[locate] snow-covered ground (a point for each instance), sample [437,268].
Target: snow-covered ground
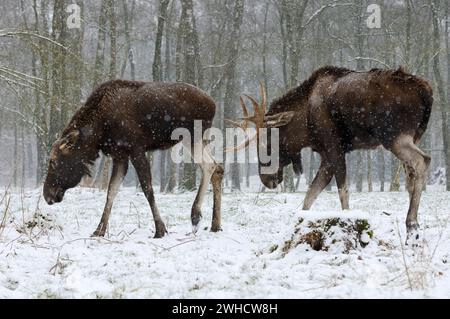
[57,258]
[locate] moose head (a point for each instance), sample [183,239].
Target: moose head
[66,167]
[283,121]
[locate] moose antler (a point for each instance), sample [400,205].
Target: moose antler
[244,124]
[257,118]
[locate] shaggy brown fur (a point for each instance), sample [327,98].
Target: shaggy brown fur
[124,120]
[338,110]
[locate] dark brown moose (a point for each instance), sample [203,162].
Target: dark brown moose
[124,120]
[338,110]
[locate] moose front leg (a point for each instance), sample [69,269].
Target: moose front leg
[119,171]
[142,166]
[322,179]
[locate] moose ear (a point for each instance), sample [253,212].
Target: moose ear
[279,119]
[69,140]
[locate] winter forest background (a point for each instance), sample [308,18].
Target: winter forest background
[222,46]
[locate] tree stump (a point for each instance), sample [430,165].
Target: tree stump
[335,232]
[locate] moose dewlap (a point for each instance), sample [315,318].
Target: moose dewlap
[337,232]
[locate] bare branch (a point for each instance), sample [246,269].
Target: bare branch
[323,8]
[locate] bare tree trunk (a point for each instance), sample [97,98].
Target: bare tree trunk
[293,13]
[369,171]
[440,86]
[282,13]
[264,50]
[74,65]
[187,26]
[157,73]
[382,172]
[162,170]
[132,65]
[113,39]
[157,63]
[172,169]
[311,167]
[198,61]
[247,175]
[395,181]
[40,57]
[128,15]
[445,124]
[266,85]
[359,66]
[15,156]
[111,15]
[99,69]
[230,73]
[128,24]
[59,34]
[172,182]
[359,171]
[22,158]
[408,34]
[101,41]
[179,77]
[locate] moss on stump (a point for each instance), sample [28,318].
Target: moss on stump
[336,234]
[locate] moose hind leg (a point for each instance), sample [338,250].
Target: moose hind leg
[118,173]
[142,166]
[409,181]
[196,212]
[211,171]
[341,182]
[416,163]
[216,181]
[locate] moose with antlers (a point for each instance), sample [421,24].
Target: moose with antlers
[124,120]
[338,110]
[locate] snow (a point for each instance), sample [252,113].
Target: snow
[58,259]
[330,213]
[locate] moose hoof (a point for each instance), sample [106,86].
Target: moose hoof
[161,231]
[98,233]
[195,228]
[216,229]
[412,236]
[196,217]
